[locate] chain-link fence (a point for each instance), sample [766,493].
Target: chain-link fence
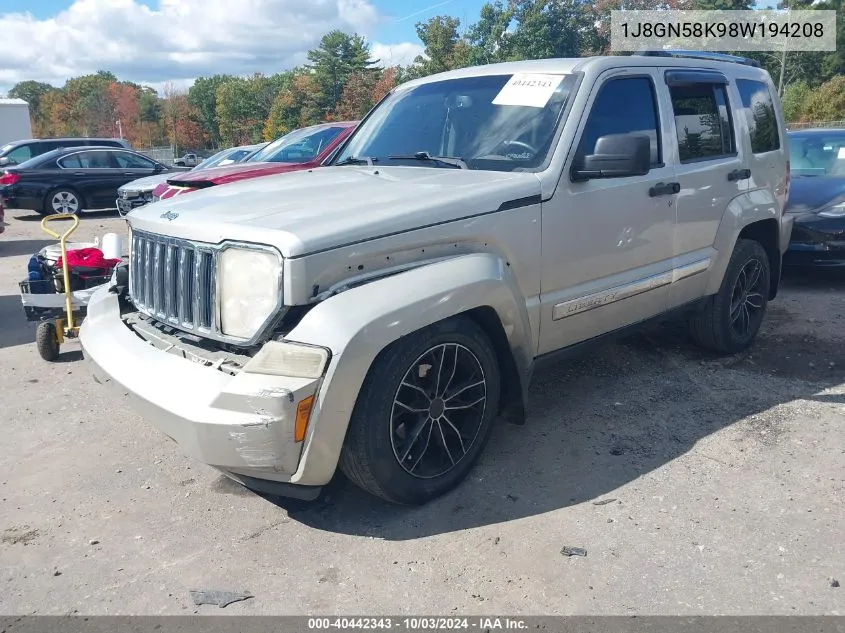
[815,124]
[161,154]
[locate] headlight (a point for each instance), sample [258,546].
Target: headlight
[836,211]
[249,288]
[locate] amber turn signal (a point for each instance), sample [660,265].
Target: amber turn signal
[303,414]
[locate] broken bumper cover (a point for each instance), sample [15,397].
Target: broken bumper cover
[241,424]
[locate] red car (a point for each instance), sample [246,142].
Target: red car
[305,148]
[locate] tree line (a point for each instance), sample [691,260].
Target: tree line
[341,80]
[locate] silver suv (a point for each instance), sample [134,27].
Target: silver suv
[379,313]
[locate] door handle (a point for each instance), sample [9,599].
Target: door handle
[79,173]
[739,174]
[664,189]
[128,173]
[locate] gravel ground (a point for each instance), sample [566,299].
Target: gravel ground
[697,486]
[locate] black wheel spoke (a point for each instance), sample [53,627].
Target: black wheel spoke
[415,435]
[755,300]
[424,449]
[445,443]
[456,432]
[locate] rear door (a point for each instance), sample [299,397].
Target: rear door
[93,175]
[710,164]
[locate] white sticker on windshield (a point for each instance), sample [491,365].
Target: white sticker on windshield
[841,153]
[528,89]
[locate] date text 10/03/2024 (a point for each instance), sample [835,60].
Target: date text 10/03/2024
[419,624]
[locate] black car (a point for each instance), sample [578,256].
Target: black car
[17,152]
[73,179]
[817,198]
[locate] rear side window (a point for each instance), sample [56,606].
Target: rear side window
[623,106]
[760,113]
[87,160]
[702,122]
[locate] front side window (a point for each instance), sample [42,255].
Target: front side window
[702,122]
[87,160]
[760,113]
[494,123]
[623,106]
[298,146]
[125,160]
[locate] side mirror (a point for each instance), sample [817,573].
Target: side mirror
[615,156]
[158,168]
[5,161]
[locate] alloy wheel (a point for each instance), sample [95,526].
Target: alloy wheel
[64,202]
[438,410]
[747,299]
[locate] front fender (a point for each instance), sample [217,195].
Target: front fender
[742,211]
[358,324]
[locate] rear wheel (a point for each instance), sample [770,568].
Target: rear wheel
[62,200]
[732,317]
[47,341]
[424,414]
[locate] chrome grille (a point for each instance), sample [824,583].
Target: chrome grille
[173,281]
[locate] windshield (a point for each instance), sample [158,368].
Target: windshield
[227,156]
[817,153]
[298,146]
[495,123]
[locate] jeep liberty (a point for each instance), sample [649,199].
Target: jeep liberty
[378,314]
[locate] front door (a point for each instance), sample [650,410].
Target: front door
[607,242]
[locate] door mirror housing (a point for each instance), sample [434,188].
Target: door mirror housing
[158,168]
[615,156]
[5,161]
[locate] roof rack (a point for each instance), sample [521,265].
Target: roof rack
[716,57]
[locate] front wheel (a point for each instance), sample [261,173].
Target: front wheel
[424,413]
[732,317]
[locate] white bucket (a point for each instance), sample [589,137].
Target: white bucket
[112,247]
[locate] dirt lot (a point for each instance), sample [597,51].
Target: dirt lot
[697,486]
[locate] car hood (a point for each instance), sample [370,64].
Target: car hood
[811,194]
[313,210]
[232,173]
[148,183]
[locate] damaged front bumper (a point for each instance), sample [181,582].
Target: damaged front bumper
[241,423]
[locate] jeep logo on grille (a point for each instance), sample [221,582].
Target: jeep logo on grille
[169,215]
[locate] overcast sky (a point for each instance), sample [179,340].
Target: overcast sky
[153,41]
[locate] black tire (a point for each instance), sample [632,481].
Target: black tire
[371,456]
[67,193]
[47,341]
[719,327]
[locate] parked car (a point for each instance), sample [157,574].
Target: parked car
[817,198]
[305,148]
[140,192]
[378,313]
[2,217]
[188,160]
[73,179]
[18,152]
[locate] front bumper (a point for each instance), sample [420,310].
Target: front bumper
[241,424]
[127,204]
[816,241]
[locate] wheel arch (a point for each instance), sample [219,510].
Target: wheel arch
[83,202]
[754,216]
[361,323]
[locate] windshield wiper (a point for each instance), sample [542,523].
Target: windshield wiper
[446,160]
[354,160]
